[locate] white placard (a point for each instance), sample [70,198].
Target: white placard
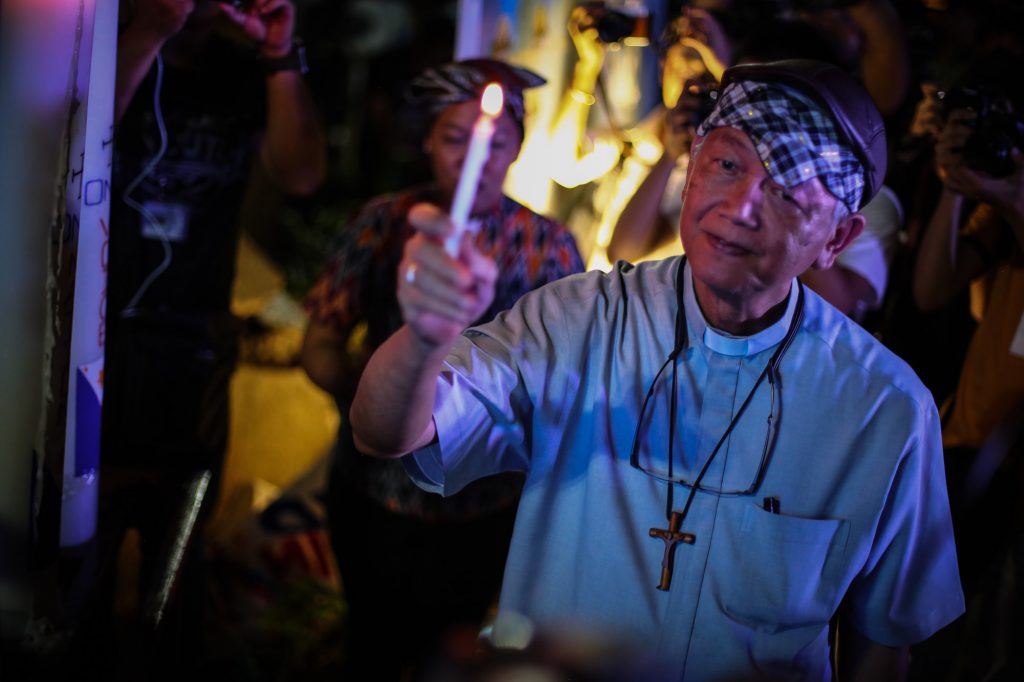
[88,213]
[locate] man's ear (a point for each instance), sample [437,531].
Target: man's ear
[695,147]
[843,234]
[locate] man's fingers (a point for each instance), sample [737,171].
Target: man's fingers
[438,285]
[430,220]
[435,314]
[418,302]
[437,292]
[482,270]
[430,279]
[431,258]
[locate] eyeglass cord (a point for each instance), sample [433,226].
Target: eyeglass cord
[771,371]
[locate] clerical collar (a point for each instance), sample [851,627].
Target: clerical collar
[724,343]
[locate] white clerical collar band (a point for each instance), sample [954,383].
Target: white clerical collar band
[795,138]
[725,344]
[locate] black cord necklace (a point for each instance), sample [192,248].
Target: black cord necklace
[672,535]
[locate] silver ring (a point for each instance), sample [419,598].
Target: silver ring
[410,273]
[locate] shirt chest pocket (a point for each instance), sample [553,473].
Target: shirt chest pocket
[781,572]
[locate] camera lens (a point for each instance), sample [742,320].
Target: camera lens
[614,26]
[989,149]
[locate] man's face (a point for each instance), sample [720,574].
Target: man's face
[745,235]
[448,143]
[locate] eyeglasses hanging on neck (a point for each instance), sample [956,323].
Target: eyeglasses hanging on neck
[769,375]
[674,533]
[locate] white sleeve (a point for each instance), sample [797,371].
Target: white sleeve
[484,402]
[871,253]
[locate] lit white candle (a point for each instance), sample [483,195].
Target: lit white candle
[491,103]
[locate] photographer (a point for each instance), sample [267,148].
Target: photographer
[692,51]
[615,162]
[982,433]
[990,243]
[206,94]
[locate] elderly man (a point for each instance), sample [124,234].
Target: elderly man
[716,459]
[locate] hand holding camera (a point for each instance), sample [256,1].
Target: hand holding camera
[949,146]
[927,121]
[964,163]
[694,105]
[618,20]
[703,27]
[583,31]
[600,23]
[994,130]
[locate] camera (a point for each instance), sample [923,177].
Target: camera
[620,22]
[705,94]
[997,129]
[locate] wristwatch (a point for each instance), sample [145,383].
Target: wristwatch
[295,60]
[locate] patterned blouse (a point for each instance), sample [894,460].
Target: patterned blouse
[356,294]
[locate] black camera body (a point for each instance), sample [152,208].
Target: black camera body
[997,129]
[706,93]
[615,25]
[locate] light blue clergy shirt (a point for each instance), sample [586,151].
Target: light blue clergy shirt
[553,387]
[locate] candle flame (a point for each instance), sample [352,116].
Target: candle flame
[492,99]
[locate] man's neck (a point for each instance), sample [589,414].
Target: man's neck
[740,316]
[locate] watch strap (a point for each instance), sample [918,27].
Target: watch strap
[295,60]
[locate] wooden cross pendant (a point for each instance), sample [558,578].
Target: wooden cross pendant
[670,536]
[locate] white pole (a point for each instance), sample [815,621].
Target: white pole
[87,203]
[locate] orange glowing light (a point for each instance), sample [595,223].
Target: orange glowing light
[492,100]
